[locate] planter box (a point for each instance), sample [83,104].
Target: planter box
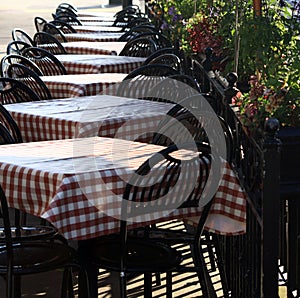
[290,154]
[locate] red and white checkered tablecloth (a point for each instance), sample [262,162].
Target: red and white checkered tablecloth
[96,28]
[64,86]
[94,48]
[76,64]
[102,115]
[92,36]
[77,185]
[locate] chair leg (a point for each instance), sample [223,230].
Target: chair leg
[123,285]
[169,284]
[148,285]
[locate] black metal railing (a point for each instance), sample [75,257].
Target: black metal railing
[251,260]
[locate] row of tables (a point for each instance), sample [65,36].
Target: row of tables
[79,147]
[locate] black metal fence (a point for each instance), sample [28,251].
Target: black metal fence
[252,260]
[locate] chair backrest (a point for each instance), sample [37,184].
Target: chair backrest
[68,19]
[5,136]
[168,59]
[39,23]
[159,52]
[10,124]
[49,42]
[46,61]
[172,178]
[175,88]
[141,47]
[135,31]
[140,82]
[63,26]
[160,40]
[17,47]
[194,119]
[14,91]
[19,34]
[30,78]
[7,60]
[55,31]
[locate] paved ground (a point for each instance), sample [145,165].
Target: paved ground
[20,14]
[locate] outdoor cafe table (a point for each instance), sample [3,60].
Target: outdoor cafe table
[63,86]
[76,64]
[92,36]
[96,28]
[77,185]
[94,47]
[101,115]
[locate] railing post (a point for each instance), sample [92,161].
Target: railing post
[270,211]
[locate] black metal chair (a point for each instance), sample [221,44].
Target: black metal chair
[140,82]
[19,257]
[49,42]
[14,91]
[30,78]
[5,136]
[7,60]
[55,31]
[152,190]
[63,26]
[135,31]
[202,123]
[159,52]
[71,20]
[10,124]
[175,88]
[17,47]
[160,40]
[168,59]
[141,47]
[19,34]
[45,60]
[39,23]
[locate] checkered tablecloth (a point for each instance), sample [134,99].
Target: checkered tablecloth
[76,64]
[102,115]
[92,36]
[94,48]
[96,28]
[78,184]
[64,86]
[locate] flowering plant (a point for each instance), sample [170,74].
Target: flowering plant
[262,103]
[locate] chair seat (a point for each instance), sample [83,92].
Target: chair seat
[143,255]
[34,257]
[29,232]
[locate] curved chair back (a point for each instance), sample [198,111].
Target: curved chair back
[160,40]
[168,59]
[10,124]
[140,47]
[7,60]
[49,42]
[140,82]
[63,26]
[39,23]
[46,61]
[14,91]
[17,47]
[19,34]
[55,31]
[30,78]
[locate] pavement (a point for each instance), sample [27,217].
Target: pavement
[21,14]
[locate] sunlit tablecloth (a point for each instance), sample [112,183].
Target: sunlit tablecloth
[94,48]
[64,86]
[76,64]
[102,115]
[92,36]
[77,184]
